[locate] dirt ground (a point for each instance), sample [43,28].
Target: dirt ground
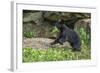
[41,43]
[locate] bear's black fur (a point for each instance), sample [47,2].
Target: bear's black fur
[67,34]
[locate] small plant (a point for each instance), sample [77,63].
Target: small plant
[28,34]
[54,31]
[85,38]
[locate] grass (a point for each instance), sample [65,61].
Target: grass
[55,54]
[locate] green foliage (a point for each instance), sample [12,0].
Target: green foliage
[85,38]
[54,31]
[29,34]
[54,54]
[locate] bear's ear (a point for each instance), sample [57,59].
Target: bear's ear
[61,21]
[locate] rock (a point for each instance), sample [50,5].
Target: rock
[35,17]
[35,21]
[41,43]
[84,23]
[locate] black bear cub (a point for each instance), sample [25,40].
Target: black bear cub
[67,34]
